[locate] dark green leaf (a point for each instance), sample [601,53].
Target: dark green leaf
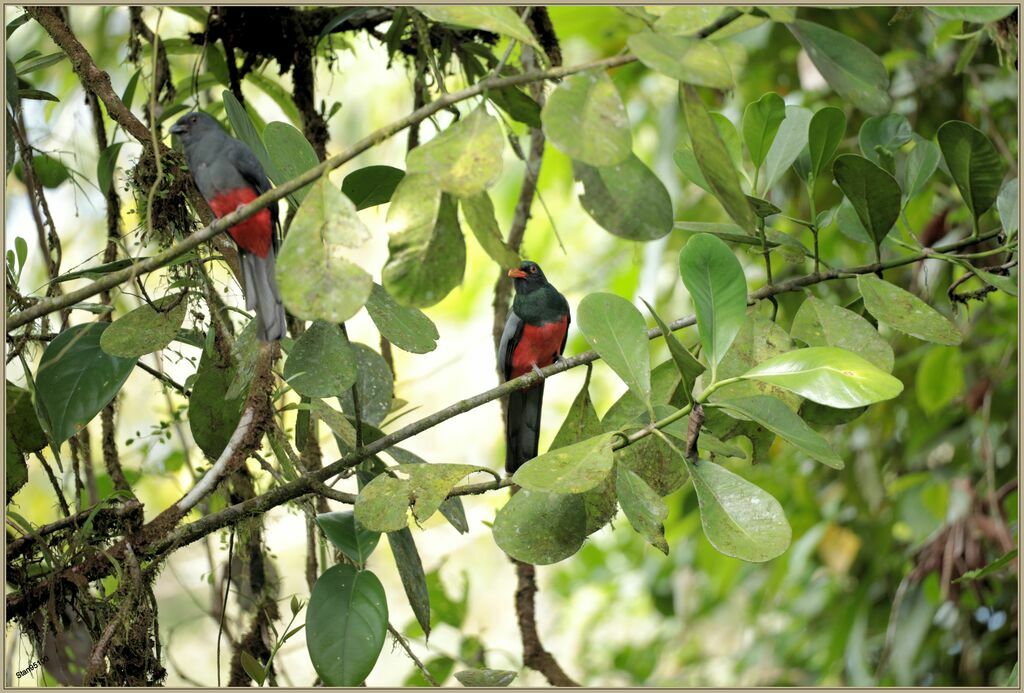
[146,329]
[541,528]
[824,134]
[761,121]
[425,488]
[517,105]
[321,362]
[973,163]
[346,624]
[873,192]
[407,328]
[290,154]
[758,340]
[22,422]
[49,171]
[375,383]
[940,379]
[13,25]
[372,185]
[616,330]
[252,667]
[626,199]
[689,367]
[586,120]
[886,133]
[351,538]
[643,507]
[40,62]
[76,379]
[15,469]
[105,166]
[921,164]
[848,66]
[479,213]
[410,570]
[213,417]
[37,95]
[905,312]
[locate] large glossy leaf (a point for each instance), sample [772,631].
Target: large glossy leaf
[346,624]
[407,328]
[626,199]
[321,363]
[1007,204]
[410,571]
[316,281]
[350,537]
[616,330]
[819,323]
[848,66]
[761,121]
[689,367]
[465,159]
[76,379]
[881,136]
[905,312]
[828,375]
[571,469]
[940,379]
[790,140]
[479,213]
[423,486]
[778,418]
[973,163]
[739,519]
[372,185]
[713,158]
[586,120]
[718,287]
[644,508]
[428,252]
[375,383]
[291,154]
[824,133]
[921,164]
[500,20]
[541,528]
[22,422]
[689,60]
[146,329]
[873,192]
[758,340]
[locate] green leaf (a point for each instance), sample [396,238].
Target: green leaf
[479,213]
[973,13]
[246,131]
[616,330]
[759,339]
[425,489]
[824,134]
[244,354]
[571,469]
[644,508]
[873,192]
[15,469]
[321,362]
[39,62]
[466,158]
[972,575]
[716,283]
[350,537]
[778,418]
[519,106]
[212,416]
[317,282]
[940,379]
[921,164]
[683,20]
[1008,207]
[498,19]
[76,379]
[49,171]
[626,199]
[278,93]
[407,328]
[427,250]
[541,528]
[410,571]
[146,329]
[739,519]
[346,623]
[375,383]
[1006,284]
[586,120]
[792,138]
[905,312]
[690,60]
[828,375]
[440,668]
[252,667]
[881,136]
[372,185]
[713,158]
[686,160]
[848,66]
[973,163]
[818,323]
[485,678]
[689,367]
[290,154]
[22,421]
[761,121]
[105,167]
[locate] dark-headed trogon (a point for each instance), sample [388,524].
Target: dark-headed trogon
[229,175]
[534,337]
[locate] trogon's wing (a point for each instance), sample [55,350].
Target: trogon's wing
[565,337]
[252,171]
[509,340]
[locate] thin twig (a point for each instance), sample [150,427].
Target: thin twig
[408,650]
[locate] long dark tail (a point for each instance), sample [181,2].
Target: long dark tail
[522,426]
[262,296]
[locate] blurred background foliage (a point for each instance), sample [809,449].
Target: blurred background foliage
[865,595]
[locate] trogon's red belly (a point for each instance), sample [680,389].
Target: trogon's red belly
[538,345]
[255,233]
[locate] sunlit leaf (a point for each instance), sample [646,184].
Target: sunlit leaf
[819,323]
[479,213]
[464,159]
[500,20]
[940,379]
[571,469]
[626,199]
[586,120]
[146,329]
[644,508]
[689,60]
[541,528]
[616,330]
[905,312]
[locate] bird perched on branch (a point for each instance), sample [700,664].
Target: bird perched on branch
[534,337]
[229,176]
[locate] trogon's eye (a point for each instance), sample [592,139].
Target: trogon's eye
[533,270]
